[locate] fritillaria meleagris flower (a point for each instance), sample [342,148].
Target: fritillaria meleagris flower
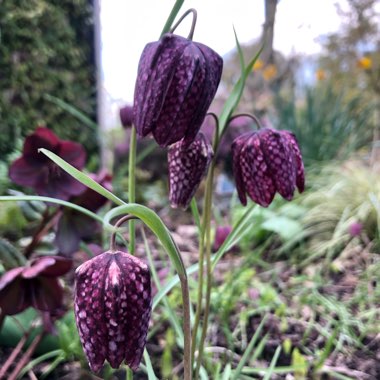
[221,234]
[35,170]
[187,166]
[35,284]
[176,83]
[266,161]
[112,308]
[126,116]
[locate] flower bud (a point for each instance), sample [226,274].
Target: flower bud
[112,308]
[267,161]
[187,166]
[176,83]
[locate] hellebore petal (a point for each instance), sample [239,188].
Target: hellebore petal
[35,170]
[112,309]
[187,166]
[267,161]
[34,285]
[177,80]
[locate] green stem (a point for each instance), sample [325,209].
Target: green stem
[173,14]
[207,238]
[129,374]
[132,186]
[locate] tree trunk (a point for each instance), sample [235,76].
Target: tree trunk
[267,55]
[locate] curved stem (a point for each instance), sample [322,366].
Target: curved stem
[191,34]
[132,186]
[118,224]
[250,115]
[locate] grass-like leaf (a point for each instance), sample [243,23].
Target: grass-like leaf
[248,350]
[81,177]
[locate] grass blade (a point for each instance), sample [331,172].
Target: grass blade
[248,350]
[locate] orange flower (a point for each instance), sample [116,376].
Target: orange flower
[269,72]
[320,74]
[364,63]
[258,65]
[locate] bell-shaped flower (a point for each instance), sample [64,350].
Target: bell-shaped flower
[35,170]
[176,83]
[265,162]
[35,284]
[187,166]
[112,308]
[126,116]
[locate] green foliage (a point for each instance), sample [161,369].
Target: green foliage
[327,125]
[341,195]
[46,48]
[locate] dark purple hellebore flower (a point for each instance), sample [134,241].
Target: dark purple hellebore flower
[73,226]
[34,285]
[187,166]
[113,303]
[126,116]
[267,161]
[176,83]
[35,170]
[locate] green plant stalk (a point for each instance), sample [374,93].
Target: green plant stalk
[132,186]
[207,238]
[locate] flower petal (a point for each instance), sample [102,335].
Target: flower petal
[256,174]
[73,153]
[187,167]
[280,159]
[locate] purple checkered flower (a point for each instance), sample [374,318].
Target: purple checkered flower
[176,83]
[265,162]
[113,303]
[187,167]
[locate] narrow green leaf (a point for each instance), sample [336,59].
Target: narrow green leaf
[72,110]
[235,235]
[81,177]
[248,350]
[168,309]
[173,14]
[195,212]
[149,367]
[227,372]
[81,209]
[153,221]
[269,374]
[237,90]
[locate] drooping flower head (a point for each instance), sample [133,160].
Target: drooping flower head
[126,116]
[37,171]
[112,308]
[176,83]
[265,162]
[35,284]
[187,166]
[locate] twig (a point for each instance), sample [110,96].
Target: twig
[13,355]
[28,353]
